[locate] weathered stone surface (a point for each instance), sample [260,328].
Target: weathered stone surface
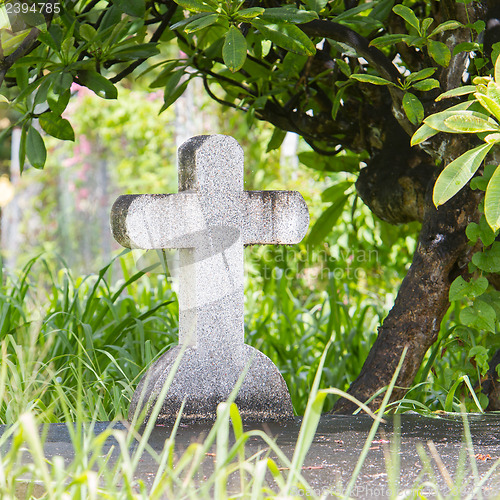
[209,221]
[208,378]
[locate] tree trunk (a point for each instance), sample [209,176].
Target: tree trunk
[414,321]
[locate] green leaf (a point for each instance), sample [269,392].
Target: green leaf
[478,26]
[276,139]
[250,13]
[461,289]
[413,108]
[493,91]
[203,21]
[56,126]
[425,25]
[492,201]
[481,182]
[488,260]
[363,23]
[35,148]
[375,80]
[88,32]
[352,14]
[134,8]
[471,122]
[492,138]
[492,297]
[332,193]
[59,105]
[171,98]
[337,101]
[41,93]
[138,51]
[288,15]
[47,39]
[316,5]
[439,52]
[420,75]
[497,70]
[165,74]
[195,5]
[62,82]
[326,221]
[340,163]
[97,83]
[437,121]
[481,230]
[187,20]
[408,15]
[425,85]
[489,104]
[10,42]
[344,67]
[466,47]
[456,175]
[446,26]
[481,357]
[495,52]
[22,149]
[481,315]
[388,40]
[459,91]
[173,81]
[422,134]
[287,36]
[382,9]
[234,51]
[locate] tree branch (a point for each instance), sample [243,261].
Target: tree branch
[342,34]
[27,45]
[217,99]
[385,67]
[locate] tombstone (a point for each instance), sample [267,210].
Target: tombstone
[209,221]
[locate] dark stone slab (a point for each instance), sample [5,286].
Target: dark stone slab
[335,451]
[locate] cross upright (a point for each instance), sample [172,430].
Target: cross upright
[209,221]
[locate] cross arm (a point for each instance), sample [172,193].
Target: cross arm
[274,217]
[151,221]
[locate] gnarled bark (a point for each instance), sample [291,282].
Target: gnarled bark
[441,255]
[394,183]
[422,301]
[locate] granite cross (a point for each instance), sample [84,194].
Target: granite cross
[209,221]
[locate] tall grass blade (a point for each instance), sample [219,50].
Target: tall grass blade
[374,427]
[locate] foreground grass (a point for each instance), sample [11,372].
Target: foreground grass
[98,471]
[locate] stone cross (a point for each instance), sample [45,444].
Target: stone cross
[209,221]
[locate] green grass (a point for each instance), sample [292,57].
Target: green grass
[97,472]
[83,336]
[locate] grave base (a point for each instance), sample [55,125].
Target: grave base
[263,395]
